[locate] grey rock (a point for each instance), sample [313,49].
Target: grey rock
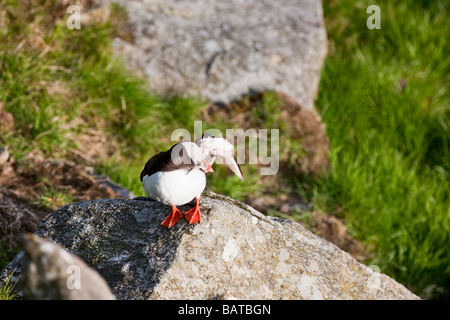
[235,252]
[106,182]
[220,50]
[51,273]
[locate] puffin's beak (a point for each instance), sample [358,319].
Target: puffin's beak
[209,168]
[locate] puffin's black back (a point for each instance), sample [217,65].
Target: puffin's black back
[163,162]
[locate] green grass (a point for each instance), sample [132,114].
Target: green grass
[79,79]
[52,199]
[6,291]
[384,96]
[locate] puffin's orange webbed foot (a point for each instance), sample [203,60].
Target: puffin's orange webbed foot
[172,218]
[193,215]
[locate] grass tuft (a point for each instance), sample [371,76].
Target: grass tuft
[52,199]
[6,291]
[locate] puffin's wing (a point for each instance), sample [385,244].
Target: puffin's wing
[213,147]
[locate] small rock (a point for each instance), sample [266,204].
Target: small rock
[52,273]
[4,155]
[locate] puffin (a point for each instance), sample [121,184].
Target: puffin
[178,175]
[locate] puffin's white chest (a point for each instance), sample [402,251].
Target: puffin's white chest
[174,187]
